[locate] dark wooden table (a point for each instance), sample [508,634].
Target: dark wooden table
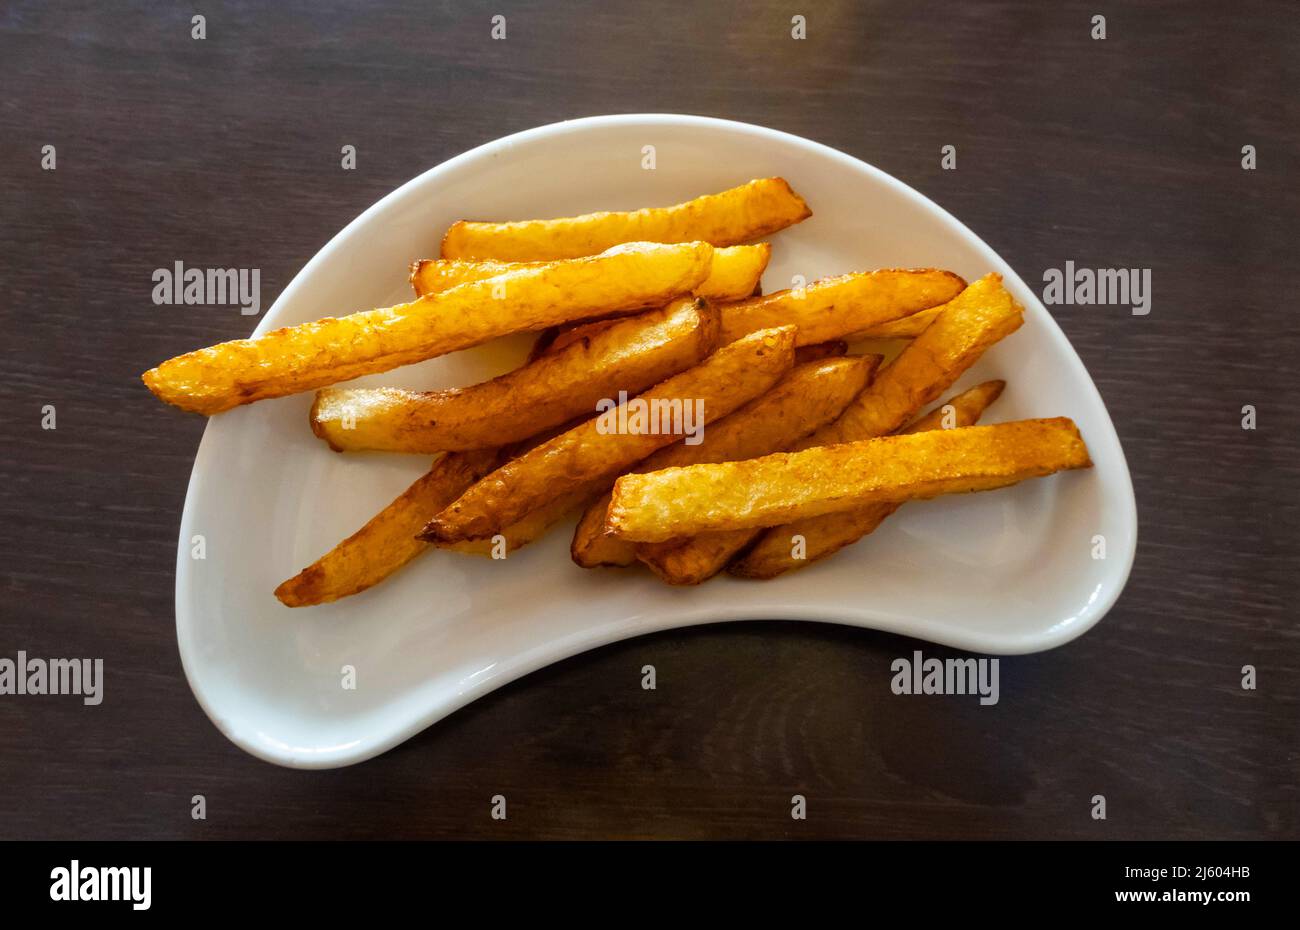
[225,152]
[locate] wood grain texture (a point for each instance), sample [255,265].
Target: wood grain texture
[1123,153]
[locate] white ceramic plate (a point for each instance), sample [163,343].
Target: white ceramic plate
[1009,571]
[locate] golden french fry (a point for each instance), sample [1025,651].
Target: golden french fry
[785,486]
[313,355]
[695,559]
[388,541]
[629,355]
[974,320]
[735,272]
[528,528]
[960,410]
[565,336]
[591,546]
[837,307]
[825,535]
[966,326]
[741,214]
[435,275]
[908,327]
[602,446]
[808,396]
[732,270]
[698,558]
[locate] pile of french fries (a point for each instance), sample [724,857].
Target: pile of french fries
[804,447]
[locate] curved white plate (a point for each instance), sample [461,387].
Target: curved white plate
[1004,572]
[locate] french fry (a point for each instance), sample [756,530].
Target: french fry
[695,559]
[733,269]
[825,535]
[908,327]
[810,395]
[599,448]
[563,336]
[787,486]
[528,528]
[735,272]
[691,561]
[629,355]
[978,317]
[387,541]
[313,355]
[962,330]
[435,275]
[741,214]
[837,307]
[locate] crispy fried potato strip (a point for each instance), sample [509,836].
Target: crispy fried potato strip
[528,528]
[837,307]
[810,395]
[908,327]
[977,318]
[567,335]
[735,272]
[601,448]
[388,541]
[784,486]
[694,560]
[825,535]
[741,214]
[960,333]
[313,355]
[630,355]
